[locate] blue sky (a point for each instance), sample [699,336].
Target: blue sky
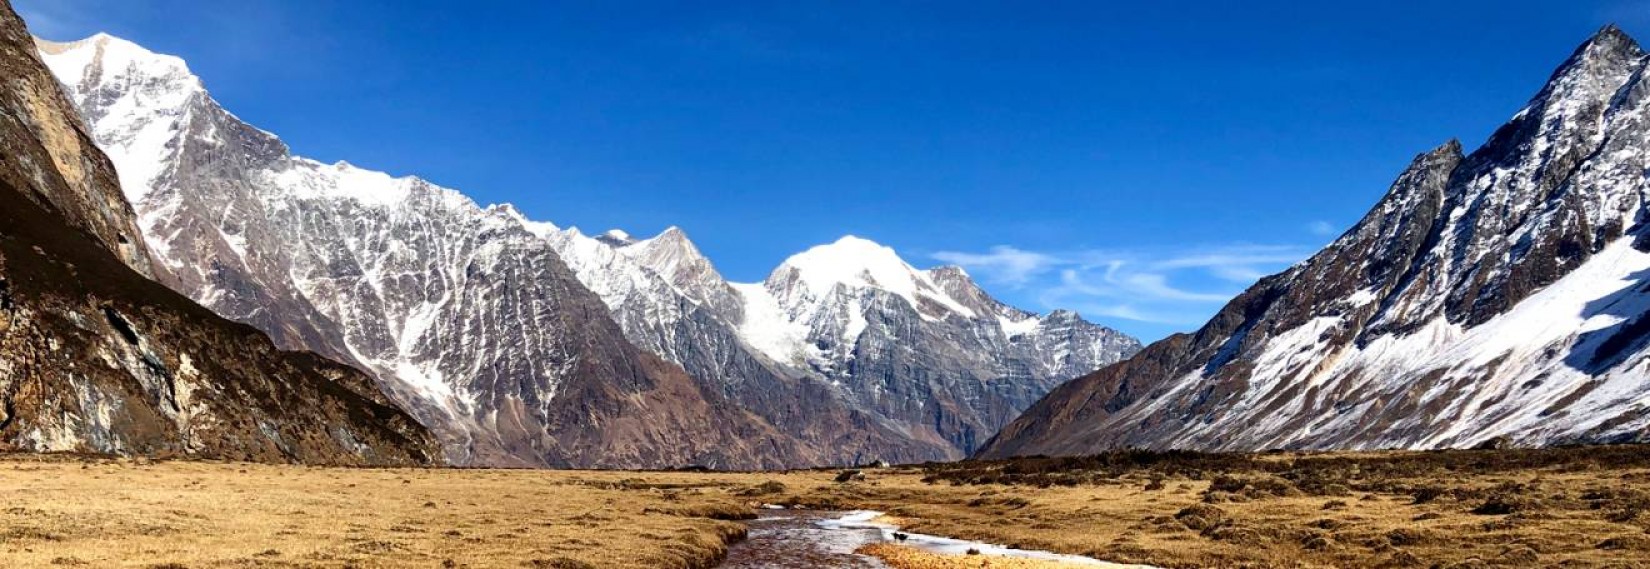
[1140,162]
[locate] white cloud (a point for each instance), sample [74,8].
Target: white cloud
[1169,287]
[1002,264]
[1322,228]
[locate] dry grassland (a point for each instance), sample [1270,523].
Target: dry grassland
[1562,508]
[1582,507]
[120,513]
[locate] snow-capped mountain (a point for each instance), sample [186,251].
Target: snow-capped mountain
[925,362]
[523,343]
[1500,296]
[96,357]
[465,314]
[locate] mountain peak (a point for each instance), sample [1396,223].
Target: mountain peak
[150,88]
[667,249]
[1452,148]
[1610,33]
[859,263]
[672,234]
[853,261]
[1610,40]
[112,55]
[56,47]
[673,256]
[1603,54]
[849,250]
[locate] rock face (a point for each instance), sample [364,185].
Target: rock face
[96,357]
[1500,295]
[845,344]
[517,341]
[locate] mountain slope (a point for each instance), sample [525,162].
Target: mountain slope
[464,314]
[1500,295]
[95,357]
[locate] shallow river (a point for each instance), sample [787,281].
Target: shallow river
[802,539]
[784,539]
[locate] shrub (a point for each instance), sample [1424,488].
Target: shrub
[768,488]
[1202,517]
[1426,495]
[1501,504]
[1408,536]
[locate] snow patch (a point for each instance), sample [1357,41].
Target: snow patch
[766,327]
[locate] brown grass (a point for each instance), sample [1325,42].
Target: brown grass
[69,512]
[1572,507]
[1565,507]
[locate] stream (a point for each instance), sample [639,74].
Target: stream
[806,539]
[800,539]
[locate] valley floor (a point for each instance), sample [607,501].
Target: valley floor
[1582,507]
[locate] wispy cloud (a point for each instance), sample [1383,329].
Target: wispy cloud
[1179,287]
[1321,228]
[1003,264]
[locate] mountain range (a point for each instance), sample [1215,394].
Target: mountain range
[1498,297]
[521,343]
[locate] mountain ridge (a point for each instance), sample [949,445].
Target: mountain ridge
[1471,304]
